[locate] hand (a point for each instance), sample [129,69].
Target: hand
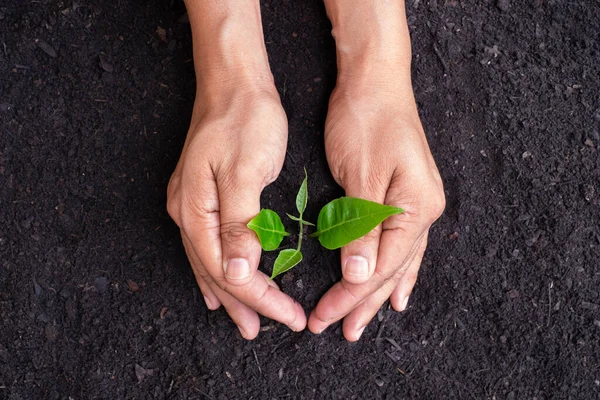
[377,150]
[233,150]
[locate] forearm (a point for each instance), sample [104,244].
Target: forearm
[229,49]
[370,36]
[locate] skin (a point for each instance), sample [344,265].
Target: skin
[376,149]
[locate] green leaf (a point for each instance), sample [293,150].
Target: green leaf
[293,218]
[286,260]
[348,218]
[268,228]
[302,197]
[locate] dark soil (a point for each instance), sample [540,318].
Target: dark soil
[97,299]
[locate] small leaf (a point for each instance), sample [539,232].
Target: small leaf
[302,197]
[293,218]
[286,260]
[268,228]
[346,219]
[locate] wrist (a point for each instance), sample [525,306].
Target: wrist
[230,56]
[372,38]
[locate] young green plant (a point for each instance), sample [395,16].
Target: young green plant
[340,222]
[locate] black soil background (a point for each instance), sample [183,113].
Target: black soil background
[97,299]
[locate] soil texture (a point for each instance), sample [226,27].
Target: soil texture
[97,300]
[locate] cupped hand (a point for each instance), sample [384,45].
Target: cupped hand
[234,148]
[377,150]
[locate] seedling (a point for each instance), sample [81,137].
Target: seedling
[340,222]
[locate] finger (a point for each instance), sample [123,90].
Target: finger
[359,257]
[204,232]
[239,202]
[343,297]
[244,317]
[400,295]
[358,319]
[211,301]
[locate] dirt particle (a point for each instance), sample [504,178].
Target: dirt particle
[569,283]
[503,5]
[51,332]
[132,286]
[588,192]
[589,306]
[162,33]
[71,309]
[513,294]
[26,223]
[37,289]
[106,66]
[101,284]
[46,48]
[142,372]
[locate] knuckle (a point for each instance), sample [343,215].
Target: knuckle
[244,170]
[259,297]
[173,208]
[173,203]
[370,183]
[433,205]
[381,277]
[244,173]
[437,206]
[235,232]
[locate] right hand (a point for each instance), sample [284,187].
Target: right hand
[234,149]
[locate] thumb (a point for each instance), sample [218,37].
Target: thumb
[239,202]
[359,257]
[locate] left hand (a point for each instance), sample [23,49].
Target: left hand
[377,150]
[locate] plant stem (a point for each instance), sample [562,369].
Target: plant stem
[300,234]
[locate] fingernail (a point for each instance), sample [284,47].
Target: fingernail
[237,268]
[242,332]
[357,266]
[360,331]
[208,303]
[404,304]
